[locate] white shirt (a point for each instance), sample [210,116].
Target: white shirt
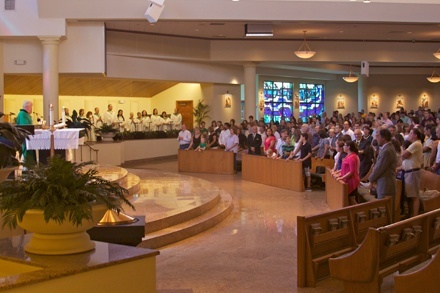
[231,144]
[224,136]
[177,120]
[156,120]
[110,118]
[349,132]
[184,137]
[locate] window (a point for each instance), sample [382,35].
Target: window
[311,99]
[278,101]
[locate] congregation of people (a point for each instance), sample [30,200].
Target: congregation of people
[370,148]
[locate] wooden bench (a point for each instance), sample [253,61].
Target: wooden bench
[332,234]
[207,161]
[423,280]
[430,181]
[388,249]
[326,163]
[278,173]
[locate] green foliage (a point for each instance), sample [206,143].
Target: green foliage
[200,112]
[62,189]
[106,129]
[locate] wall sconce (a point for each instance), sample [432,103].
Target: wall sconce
[228,100]
[340,103]
[261,102]
[425,102]
[374,102]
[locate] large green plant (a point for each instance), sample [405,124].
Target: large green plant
[201,111]
[65,191]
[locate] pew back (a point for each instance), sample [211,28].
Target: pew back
[336,191]
[334,233]
[208,161]
[388,249]
[278,173]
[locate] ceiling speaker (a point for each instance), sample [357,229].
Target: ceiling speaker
[154,10]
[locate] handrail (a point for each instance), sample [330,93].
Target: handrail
[91,149]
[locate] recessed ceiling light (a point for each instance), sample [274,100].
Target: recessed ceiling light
[367,1]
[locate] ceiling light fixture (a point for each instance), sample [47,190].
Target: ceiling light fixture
[350,78]
[367,1]
[437,54]
[304,52]
[258,30]
[434,78]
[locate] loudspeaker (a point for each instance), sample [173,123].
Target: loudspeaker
[154,10]
[365,68]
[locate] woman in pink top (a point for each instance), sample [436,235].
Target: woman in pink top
[350,171]
[269,142]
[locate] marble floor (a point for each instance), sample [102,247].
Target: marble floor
[253,250]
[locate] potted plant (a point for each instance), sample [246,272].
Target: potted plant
[107,132]
[201,112]
[59,202]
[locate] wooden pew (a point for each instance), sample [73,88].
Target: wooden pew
[392,248]
[326,163]
[207,161]
[278,173]
[336,191]
[423,280]
[332,234]
[430,181]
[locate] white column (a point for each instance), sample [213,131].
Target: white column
[50,76]
[362,93]
[250,90]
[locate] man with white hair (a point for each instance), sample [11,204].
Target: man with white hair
[24,118]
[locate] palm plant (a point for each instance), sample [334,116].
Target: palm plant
[201,111]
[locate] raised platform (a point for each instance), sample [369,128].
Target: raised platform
[175,206]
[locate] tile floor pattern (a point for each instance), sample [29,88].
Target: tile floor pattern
[253,250]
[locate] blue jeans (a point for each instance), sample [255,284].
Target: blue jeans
[184,146]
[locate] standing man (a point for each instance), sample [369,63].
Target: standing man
[184,138]
[384,171]
[24,118]
[254,142]
[412,163]
[365,153]
[231,144]
[436,166]
[176,119]
[110,117]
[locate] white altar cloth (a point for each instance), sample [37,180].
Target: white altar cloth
[64,139]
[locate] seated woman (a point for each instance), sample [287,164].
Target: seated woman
[350,171]
[202,146]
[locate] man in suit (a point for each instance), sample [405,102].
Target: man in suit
[384,171]
[365,153]
[254,142]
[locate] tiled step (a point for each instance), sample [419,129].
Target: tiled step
[191,227]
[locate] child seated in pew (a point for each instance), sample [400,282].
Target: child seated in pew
[202,145]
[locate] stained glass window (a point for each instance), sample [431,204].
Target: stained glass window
[311,99]
[278,100]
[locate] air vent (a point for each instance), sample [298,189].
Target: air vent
[9,4]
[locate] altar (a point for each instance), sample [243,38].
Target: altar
[64,139]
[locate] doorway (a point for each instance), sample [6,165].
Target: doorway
[186,109]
